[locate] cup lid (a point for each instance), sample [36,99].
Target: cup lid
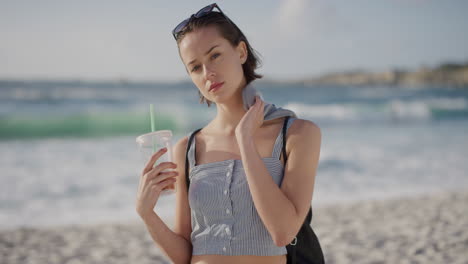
[159,133]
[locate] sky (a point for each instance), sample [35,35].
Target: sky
[114,39]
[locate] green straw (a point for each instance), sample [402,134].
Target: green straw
[152,125]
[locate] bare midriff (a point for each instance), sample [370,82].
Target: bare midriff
[244,259]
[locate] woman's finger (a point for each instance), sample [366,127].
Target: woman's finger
[163,166]
[162,176]
[170,185]
[255,105]
[157,187]
[257,99]
[260,105]
[153,159]
[163,183]
[260,102]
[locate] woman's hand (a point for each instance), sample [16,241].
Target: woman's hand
[152,182]
[251,121]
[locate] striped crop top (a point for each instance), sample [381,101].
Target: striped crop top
[224,218]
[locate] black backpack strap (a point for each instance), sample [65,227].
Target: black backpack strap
[292,253]
[305,230]
[285,126]
[187,164]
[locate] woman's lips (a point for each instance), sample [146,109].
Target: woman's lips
[215,87]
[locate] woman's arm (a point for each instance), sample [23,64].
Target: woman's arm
[175,244]
[176,248]
[284,209]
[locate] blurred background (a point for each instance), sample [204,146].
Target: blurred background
[387,82]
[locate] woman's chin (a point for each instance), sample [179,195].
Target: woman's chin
[220,99]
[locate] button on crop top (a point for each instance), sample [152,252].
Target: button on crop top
[224,218]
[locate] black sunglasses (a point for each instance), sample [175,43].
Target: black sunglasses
[202,12]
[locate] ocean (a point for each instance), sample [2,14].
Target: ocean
[68,153]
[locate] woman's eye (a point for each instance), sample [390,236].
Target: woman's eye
[215,55]
[195,68]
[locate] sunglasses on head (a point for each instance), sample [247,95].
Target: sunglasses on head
[202,12]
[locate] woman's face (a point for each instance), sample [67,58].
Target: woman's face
[210,59]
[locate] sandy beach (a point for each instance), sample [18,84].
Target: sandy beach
[426,229]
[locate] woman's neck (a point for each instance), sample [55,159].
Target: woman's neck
[227,118]
[230,113]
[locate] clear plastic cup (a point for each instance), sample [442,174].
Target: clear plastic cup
[152,142]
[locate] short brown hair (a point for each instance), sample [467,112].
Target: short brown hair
[231,33]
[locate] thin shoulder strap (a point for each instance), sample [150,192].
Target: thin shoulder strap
[187,164]
[280,143]
[285,127]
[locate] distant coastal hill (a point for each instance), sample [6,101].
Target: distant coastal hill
[445,74]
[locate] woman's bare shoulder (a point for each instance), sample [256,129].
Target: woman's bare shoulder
[180,147]
[182,142]
[304,124]
[302,129]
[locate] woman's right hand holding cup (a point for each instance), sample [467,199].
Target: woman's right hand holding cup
[152,182]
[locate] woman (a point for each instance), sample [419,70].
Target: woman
[249,214]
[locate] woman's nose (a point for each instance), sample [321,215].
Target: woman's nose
[209,72]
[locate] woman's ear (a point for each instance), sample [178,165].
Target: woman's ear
[242,50]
